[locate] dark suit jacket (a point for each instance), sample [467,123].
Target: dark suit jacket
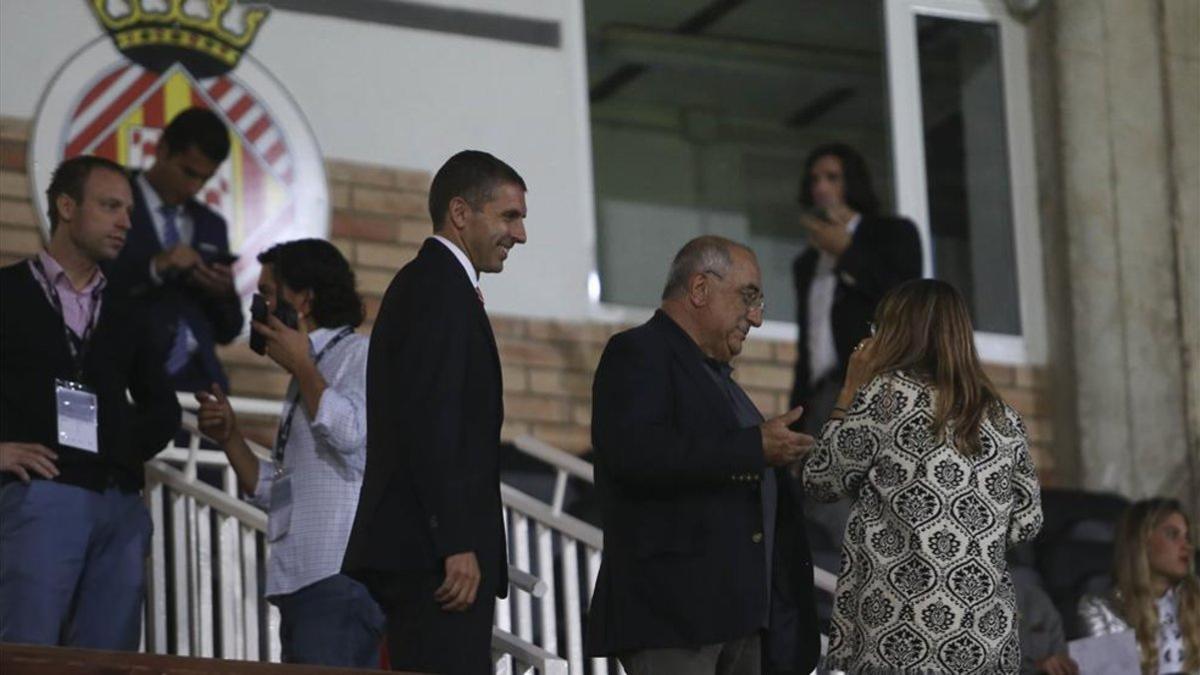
[679,486]
[213,320]
[122,357]
[883,253]
[434,409]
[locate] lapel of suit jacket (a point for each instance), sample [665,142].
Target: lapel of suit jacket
[453,269]
[689,356]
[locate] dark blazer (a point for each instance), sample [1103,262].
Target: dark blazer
[122,356]
[679,487]
[213,320]
[434,410]
[884,252]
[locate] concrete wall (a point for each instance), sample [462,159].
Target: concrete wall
[1124,98]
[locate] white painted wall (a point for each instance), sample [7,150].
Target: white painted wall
[406,98]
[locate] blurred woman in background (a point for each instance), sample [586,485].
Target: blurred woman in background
[1156,593]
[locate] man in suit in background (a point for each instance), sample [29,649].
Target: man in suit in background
[176,261]
[428,539]
[706,568]
[855,255]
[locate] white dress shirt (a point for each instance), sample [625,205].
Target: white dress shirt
[462,259]
[822,348]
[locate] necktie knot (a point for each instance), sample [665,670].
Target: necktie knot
[479,294]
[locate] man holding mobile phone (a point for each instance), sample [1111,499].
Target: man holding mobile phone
[309,487]
[177,260]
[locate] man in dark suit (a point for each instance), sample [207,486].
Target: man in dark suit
[428,539]
[855,255]
[706,566]
[176,262]
[74,529]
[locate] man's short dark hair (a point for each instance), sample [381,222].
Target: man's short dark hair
[317,265]
[70,178]
[856,178]
[199,127]
[472,175]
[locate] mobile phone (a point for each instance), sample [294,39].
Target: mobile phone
[258,312]
[215,256]
[820,213]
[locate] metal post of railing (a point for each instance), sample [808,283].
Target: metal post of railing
[156,593]
[250,592]
[571,614]
[520,546]
[204,577]
[560,491]
[181,572]
[544,536]
[229,581]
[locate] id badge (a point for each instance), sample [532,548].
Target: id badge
[280,518]
[78,415]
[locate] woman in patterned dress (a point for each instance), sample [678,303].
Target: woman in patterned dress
[1156,594]
[941,481]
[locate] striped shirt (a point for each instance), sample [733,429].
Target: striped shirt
[325,457]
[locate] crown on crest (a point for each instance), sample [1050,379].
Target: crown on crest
[157,33]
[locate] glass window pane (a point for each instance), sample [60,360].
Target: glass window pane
[702,114]
[966,167]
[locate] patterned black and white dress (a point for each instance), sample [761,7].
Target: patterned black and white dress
[924,586]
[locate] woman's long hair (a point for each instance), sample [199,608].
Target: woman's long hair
[1135,596]
[924,327]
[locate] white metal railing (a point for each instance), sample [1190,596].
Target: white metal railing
[203,591]
[554,562]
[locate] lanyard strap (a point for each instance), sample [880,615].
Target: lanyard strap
[76,344]
[285,428]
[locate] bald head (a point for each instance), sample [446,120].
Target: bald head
[714,292]
[708,253]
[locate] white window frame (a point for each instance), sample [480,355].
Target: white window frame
[908,153]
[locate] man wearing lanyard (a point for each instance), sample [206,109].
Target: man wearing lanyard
[74,530]
[310,485]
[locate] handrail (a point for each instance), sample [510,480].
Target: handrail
[159,471]
[537,510]
[532,655]
[555,457]
[257,407]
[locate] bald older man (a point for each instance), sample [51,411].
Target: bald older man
[706,566]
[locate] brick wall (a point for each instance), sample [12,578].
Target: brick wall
[379,221]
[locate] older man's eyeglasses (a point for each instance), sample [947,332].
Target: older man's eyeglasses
[752,298]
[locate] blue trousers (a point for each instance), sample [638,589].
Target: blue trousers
[72,565]
[333,622]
